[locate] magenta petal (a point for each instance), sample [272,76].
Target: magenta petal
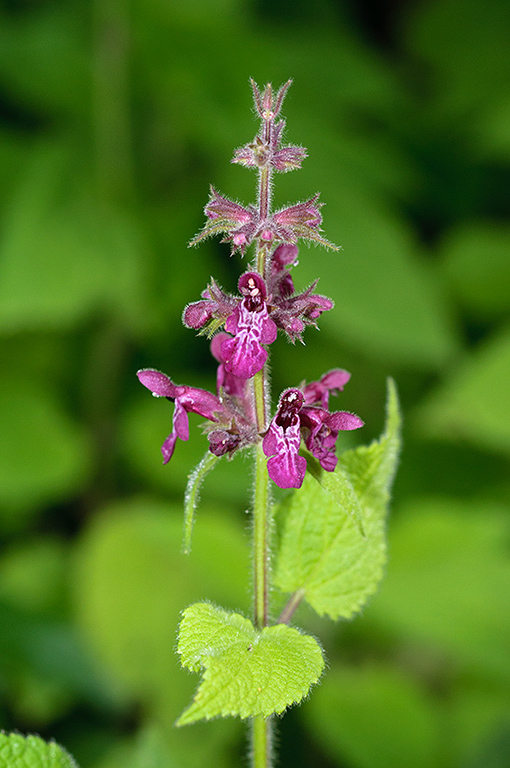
[244,356]
[167,449]
[159,383]
[287,470]
[336,379]
[198,313]
[181,421]
[342,420]
[285,466]
[268,331]
[195,400]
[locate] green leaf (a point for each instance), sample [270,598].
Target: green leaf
[339,486]
[63,255]
[32,416]
[374,716]
[473,404]
[448,582]
[18,751]
[475,261]
[191,497]
[448,36]
[388,302]
[323,554]
[247,672]
[131,582]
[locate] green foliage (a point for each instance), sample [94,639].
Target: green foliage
[376,718]
[323,553]
[32,416]
[474,401]
[32,752]
[114,119]
[394,310]
[128,559]
[450,569]
[246,672]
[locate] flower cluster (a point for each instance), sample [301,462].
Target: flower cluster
[254,316]
[242,326]
[302,413]
[242,225]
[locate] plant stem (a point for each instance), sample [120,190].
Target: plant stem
[260,539]
[261,742]
[261,727]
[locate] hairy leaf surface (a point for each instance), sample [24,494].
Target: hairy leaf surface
[18,751]
[246,671]
[323,552]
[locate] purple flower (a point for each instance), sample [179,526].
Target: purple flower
[300,415]
[318,391]
[226,383]
[320,431]
[225,215]
[282,440]
[302,220]
[292,313]
[251,327]
[320,428]
[215,303]
[281,283]
[186,399]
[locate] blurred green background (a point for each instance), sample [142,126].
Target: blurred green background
[115,115]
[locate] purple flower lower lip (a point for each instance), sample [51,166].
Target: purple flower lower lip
[251,328]
[187,400]
[300,415]
[281,443]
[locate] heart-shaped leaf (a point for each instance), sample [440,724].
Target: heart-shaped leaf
[246,672]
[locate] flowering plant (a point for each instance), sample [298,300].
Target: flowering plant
[332,540]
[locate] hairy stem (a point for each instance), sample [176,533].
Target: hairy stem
[260,539]
[261,747]
[261,727]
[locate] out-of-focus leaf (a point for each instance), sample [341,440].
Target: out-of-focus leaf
[43,455]
[63,254]
[33,574]
[375,717]
[493,129]
[480,712]
[387,303]
[43,58]
[132,581]
[474,403]
[467,45]
[323,553]
[246,672]
[155,746]
[44,653]
[448,581]
[476,263]
[18,751]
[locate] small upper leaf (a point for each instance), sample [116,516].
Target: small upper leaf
[247,672]
[323,552]
[18,751]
